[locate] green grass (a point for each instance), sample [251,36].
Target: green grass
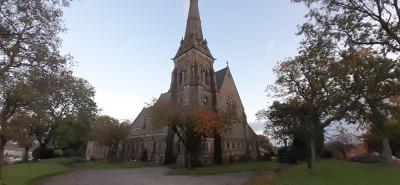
[24,174]
[28,173]
[233,168]
[330,172]
[107,165]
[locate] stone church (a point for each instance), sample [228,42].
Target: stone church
[195,82]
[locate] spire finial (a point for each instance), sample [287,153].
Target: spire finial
[227,63]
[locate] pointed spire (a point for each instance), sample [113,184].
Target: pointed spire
[193,27]
[194,33]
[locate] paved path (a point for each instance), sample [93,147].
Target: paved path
[145,176]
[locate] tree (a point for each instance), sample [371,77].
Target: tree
[279,121]
[66,103]
[288,123]
[361,23]
[374,142]
[189,124]
[29,34]
[307,83]
[22,132]
[111,133]
[342,142]
[29,38]
[373,80]
[265,143]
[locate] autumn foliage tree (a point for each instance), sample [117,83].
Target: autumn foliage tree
[189,124]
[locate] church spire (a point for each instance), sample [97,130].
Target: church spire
[194,33]
[193,27]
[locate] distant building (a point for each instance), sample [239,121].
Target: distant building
[95,151]
[14,153]
[194,82]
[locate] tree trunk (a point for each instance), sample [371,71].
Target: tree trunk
[188,158]
[313,154]
[26,155]
[3,142]
[169,150]
[387,150]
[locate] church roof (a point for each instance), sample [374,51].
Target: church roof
[194,34]
[165,97]
[220,76]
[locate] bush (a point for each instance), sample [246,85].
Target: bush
[368,159]
[265,157]
[328,154]
[43,153]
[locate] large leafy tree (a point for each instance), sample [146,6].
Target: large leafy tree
[280,119]
[374,80]
[29,34]
[111,133]
[307,83]
[358,23]
[66,106]
[29,40]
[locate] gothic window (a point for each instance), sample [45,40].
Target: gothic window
[206,78]
[180,78]
[144,124]
[231,105]
[227,145]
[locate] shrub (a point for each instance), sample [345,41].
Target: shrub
[43,153]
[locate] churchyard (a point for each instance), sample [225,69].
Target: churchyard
[330,106]
[329,172]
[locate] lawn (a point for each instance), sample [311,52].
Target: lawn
[26,174]
[330,172]
[233,168]
[23,174]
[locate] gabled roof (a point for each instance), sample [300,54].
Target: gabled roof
[220,77]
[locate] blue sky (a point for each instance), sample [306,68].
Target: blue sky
[124,47]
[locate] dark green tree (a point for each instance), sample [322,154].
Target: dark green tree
[111,133]
[373,80]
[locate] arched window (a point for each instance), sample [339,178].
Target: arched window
[180,78]
[206,78]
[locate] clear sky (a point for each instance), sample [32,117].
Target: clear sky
[124,47]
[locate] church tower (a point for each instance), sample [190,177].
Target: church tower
[193,77]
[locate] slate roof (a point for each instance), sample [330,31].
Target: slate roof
[220,77]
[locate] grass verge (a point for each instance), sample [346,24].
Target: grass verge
[332,172]
[24,174]
[233,168]
[30,173]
